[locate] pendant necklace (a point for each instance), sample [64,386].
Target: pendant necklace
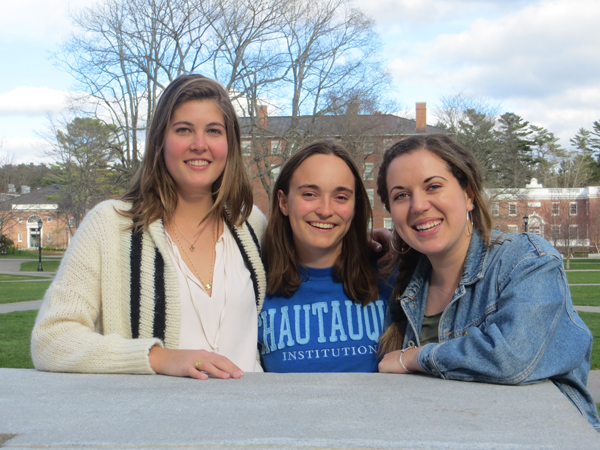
[192,244]
[206,286]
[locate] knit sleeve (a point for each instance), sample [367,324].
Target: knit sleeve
[72,332]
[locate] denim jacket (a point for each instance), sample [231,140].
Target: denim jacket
[511,320]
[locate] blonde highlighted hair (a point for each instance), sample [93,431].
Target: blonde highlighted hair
[153,194]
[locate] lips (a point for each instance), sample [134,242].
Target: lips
[321,225]
[428,226]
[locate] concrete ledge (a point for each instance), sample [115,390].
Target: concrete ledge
[274,411]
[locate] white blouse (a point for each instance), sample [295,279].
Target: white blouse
[225,323]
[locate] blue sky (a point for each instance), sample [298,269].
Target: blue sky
[539,59]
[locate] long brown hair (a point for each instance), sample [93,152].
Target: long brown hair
[352,267]
[153,194]
[467,171]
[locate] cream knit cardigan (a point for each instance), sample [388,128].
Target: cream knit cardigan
[113,285]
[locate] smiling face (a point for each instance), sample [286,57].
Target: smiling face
[195,149]
[320,206]
[428,205]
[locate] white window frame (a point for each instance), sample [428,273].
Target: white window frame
[275,172]
[371,195]
[388,142]
[495,209]
[513,228]
[48,237]
[388,223]
[574,232]
[275,147]
[48,219]
[368,171]
[512,205]
[573,208]
[19,237]
[246,148]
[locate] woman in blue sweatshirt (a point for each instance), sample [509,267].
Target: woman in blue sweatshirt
[325,306]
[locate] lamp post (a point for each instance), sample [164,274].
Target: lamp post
[525,222]
[40,223]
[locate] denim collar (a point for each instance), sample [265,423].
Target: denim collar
[472,272]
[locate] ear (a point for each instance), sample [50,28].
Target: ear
[283,203]
[470,196]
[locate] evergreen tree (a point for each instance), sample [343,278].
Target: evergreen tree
[515,160]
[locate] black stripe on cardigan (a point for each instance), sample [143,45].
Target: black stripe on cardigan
[135,263]
[246,258]
[160,305]
[254,238]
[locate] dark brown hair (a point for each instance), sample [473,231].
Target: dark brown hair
[467,171]
[352,267]
[153,194]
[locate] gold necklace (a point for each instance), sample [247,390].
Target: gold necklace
[192,244]
[207,286]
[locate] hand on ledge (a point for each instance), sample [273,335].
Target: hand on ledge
[391,362]
[182,363]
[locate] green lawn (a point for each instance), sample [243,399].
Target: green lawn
[22,291]
[583,277]
[592,320]
[584,266]
[25,254]
[15,337]
[585,295]
[48,266]
[6,277]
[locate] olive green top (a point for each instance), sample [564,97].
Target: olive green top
[429,331]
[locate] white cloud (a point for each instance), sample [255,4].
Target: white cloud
[32,101]
[25,150]
[37,20]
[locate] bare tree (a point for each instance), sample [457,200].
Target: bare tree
[123,56]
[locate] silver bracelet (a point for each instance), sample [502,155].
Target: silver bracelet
[400,359]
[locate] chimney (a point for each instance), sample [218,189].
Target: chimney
[262,116]
[421,117]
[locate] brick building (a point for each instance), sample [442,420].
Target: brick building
[20,216]
[366,137]
[569,218]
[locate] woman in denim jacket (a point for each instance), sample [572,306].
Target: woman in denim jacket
[470,304]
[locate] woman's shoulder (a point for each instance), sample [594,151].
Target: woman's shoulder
[258,221]
[512,249]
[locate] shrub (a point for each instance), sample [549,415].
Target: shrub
[5,244]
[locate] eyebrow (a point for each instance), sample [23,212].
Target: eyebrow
[317,188]
[190,124]
[426,180]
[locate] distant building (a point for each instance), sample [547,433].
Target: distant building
[366,137]
[569,218]
[20,216]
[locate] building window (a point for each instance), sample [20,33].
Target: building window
[387,223]
[513,228]
[246,148]
[555,231]
[275,147]
[555,208]
[573,209]
[71,221]
[387,143]
[495,209]
[368,171]
[19,219]
[275,172]
[573,232]
[49,219]
[49,237]
[371,223]
[512,209]
[371,194]
[20,237]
